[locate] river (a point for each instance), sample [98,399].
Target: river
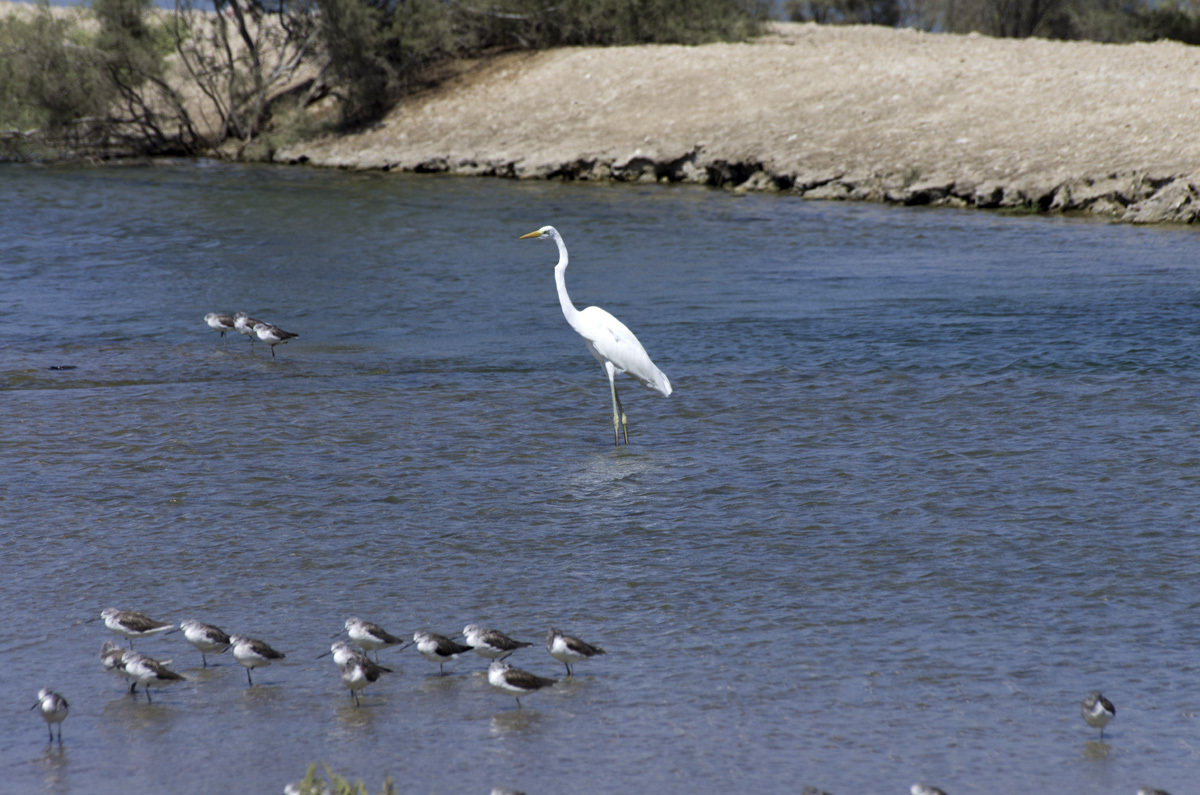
[927,477]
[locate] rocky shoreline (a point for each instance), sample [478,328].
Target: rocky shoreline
[854,113]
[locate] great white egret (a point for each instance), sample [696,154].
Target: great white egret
[608,339]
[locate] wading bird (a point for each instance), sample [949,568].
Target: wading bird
[1097,711]
[608,339]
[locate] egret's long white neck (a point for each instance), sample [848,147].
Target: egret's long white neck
[560,278]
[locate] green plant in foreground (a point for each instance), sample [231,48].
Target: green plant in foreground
[312,784]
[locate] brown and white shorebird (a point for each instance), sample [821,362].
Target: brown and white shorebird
[567,649]
[925,789]
[53,709]
[253,653]
[438,648]
[221,323]
[357,669]
[148,672]
[370,637]
[514,681]
[1097,711]
[491,643]
[205,637]
[112,657]
[132,624]
[273,335]
[244,325]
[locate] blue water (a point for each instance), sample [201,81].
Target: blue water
[926,479]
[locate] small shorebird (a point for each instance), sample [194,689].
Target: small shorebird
[272,335]
[53,709]
[491,643]
[1097,711]
[924,789]
[112,657]
[437,648]
[147,671]
[244,325]
[567,649]
[205,637]
[357,669]
[370,637]
[221,323]
[132,624]
[503,676]
[252,653]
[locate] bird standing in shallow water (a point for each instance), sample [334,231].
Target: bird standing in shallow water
[491,643]
[53,709]
[357,669]
[370,637]
[132,624]
[608,339]
[273,335]
[253,653]
[567,649]
[205,637]
[437,648]
[221,323]
[503,676]
[147,671]
[1097,711]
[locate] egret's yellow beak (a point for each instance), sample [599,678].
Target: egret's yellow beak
[538,233]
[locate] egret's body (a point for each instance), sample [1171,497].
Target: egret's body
[608,339]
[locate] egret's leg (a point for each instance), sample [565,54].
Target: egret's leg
[620,422]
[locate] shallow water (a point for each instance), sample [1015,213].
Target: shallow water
[927,478]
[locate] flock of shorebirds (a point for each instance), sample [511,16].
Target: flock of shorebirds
[357,669]
[247,326]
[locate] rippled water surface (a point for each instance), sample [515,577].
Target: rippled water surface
[927,478]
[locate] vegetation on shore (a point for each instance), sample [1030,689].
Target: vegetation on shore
[242,77]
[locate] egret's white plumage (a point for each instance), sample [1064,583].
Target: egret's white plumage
[608,339]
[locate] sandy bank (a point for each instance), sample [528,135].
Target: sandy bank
[825,112]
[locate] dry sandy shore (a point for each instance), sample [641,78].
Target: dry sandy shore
[859,112]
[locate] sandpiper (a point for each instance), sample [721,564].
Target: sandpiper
[252,653]
[1097,711]
[244,324]
[370,637]
[147,672]
[357,669]
[567,649]
[205,637]
[503,676]
[112,657]
[437,648]
[272,335]
[221,323]
[53,709]
[132,624]
[925,789]
[491,643]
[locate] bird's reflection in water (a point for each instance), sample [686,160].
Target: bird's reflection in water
[517,721]
[357,719]
[53,764]
[1096,750]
